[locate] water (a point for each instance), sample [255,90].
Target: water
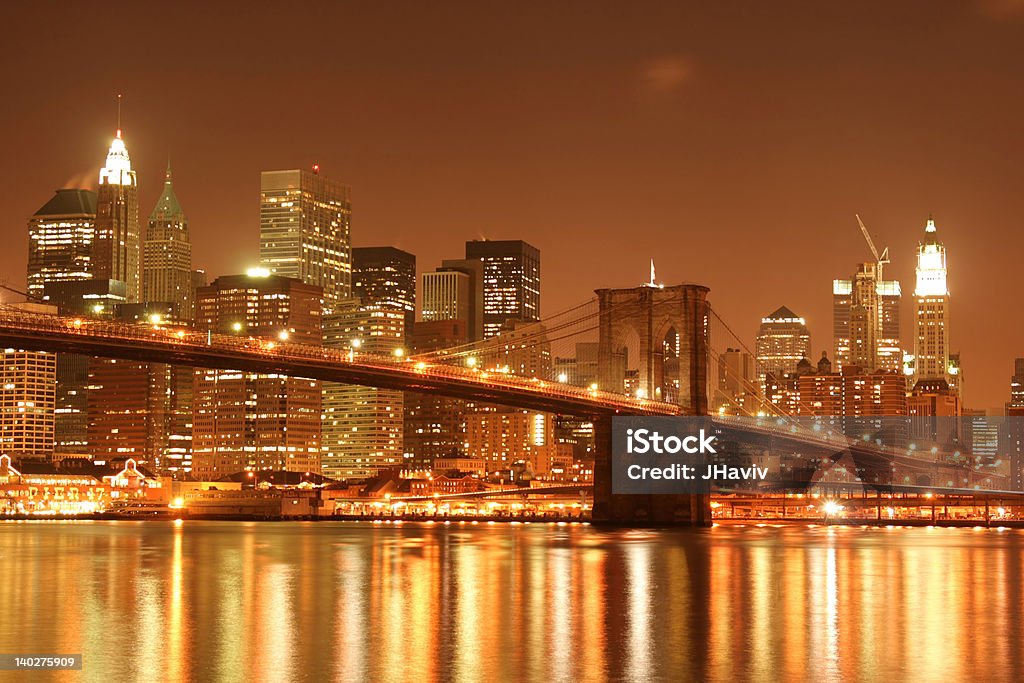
[223,601]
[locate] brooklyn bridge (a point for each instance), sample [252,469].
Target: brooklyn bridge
[655,340]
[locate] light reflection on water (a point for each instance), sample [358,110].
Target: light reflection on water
[355,602]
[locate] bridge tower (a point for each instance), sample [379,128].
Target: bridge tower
[653,343]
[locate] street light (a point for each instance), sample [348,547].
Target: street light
[283,335]
[399,353]
[237,327]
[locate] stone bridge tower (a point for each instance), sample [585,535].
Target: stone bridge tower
[654,342]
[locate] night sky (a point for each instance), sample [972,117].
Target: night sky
[732,141]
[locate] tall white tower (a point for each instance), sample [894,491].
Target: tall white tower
[117,249]
[931,296]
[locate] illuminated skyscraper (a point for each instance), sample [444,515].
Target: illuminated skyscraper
[783,340]
[511,281]
[931,297]
[167,255]
[1017,385]
[866,321]
[257,421]
[117,249]
[362,426]
[304,231]
[385,276]
[60,240]
[28,382]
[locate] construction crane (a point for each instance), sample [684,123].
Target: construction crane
[880,260]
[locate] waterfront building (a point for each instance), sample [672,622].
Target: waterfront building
[257,421]
[28,383]
[362,426]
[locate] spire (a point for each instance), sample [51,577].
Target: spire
[167,207]
[653,283]
[118,168]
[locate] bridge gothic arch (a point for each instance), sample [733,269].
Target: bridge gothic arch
[671,329]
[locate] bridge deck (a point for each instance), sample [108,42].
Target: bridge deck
[182,346]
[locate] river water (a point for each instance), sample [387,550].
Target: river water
[222,601]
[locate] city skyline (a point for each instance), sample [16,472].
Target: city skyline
[893,151]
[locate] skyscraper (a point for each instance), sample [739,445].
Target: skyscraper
[433,426]
[385,276]
[1017,385]
[117,250]
[866,320]
[511,281]
[362,426]
[931,298]
[256,421]
[455,292]
[304,231]
[28,381]
[60,239]
[167,255]
[783,340]
[737,383]
[141,410]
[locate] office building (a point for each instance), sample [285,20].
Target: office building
[60,240]
[28,383]
[362,426]
[1017,385]
[86,298]
[511,282]
[931,300]
[782,341]
[117,248]
[305,231]
[139,409]
[257,421]
[167,255]
[434,426]
[385,276]
[506,438]
[866,321]
[738,387]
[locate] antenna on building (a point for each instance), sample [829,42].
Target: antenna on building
[119,115]
[316,169]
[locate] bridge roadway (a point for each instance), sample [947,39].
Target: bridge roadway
[175,345]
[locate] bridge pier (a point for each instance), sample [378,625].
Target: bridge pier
[638,510]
